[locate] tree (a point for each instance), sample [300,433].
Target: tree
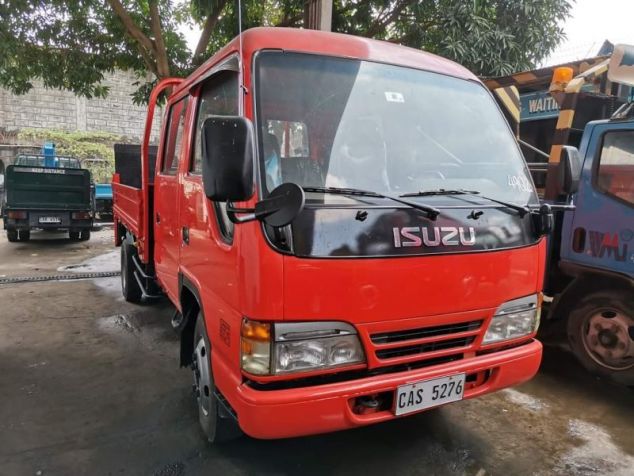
[71,44]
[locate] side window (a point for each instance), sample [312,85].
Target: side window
[174,135]
[219,97]
[616,165]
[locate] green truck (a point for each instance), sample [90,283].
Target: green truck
[47,193]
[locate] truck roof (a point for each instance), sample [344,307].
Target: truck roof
[330,44]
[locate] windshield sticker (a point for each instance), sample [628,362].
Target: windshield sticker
[391,96]
[519,182]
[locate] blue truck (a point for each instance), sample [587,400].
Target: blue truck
[591,277]
[103,201]
[589,280]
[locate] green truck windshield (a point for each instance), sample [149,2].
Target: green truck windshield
[336,122]
[39,161]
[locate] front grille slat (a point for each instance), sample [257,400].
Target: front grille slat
[425,342]
[424,348]
[411,334]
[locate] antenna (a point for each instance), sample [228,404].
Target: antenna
[241,73]
[240,26]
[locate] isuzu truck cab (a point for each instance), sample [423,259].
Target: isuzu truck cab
[346,227]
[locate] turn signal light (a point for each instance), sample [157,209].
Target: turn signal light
[81,215]
[254,330]
[255,347]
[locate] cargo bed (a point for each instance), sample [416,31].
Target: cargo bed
[129,199]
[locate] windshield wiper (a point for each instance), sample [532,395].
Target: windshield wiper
[520,209]
[431,212]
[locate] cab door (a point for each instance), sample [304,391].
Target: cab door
[601,230]
[209,258]
[167,192]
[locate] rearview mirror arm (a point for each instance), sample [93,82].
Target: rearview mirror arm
[232,214]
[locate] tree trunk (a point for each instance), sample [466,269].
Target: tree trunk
[205,35]
[162,63]
[145,46]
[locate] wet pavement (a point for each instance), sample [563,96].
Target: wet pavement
[90,384]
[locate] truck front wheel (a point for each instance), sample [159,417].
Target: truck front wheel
[216,426]
[601,334]
[129,286]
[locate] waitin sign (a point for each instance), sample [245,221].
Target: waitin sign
[540,105]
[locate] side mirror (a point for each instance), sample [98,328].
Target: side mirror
[544,220]
[227,158]
[280,208]
[569,170]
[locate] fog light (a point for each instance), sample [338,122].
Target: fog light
[514,319]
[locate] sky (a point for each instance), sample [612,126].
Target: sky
[590,24]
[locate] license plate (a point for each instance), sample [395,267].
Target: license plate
[429,393]
[50,220]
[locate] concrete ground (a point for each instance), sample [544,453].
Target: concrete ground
[90,384]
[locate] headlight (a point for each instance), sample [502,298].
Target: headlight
[513,319]
[298,347]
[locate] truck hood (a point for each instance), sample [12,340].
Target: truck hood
[365,290]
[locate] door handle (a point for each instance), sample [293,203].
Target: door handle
[158,218]
[186,235]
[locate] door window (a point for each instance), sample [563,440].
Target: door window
[174,136]
[219,97]
[616,167]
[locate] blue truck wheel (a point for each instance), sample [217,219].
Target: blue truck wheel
[601,334]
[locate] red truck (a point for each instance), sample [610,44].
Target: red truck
[346,227]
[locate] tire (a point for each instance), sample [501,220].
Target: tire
[129,286]
[601,334]
[84,235]
[12,236]
[216,428]
[74,235]
[24,235]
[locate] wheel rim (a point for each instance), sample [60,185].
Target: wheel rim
[202,377]
[608,338]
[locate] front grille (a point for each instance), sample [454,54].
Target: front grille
[410,334]
[422,348]
[425,340]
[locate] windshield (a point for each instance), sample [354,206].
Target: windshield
[336,122]
[40,161]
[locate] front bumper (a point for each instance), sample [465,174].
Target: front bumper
[286,413]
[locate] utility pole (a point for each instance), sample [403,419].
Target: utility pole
[318,15]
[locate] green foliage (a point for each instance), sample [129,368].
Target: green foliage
[94,149]
[70,44]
